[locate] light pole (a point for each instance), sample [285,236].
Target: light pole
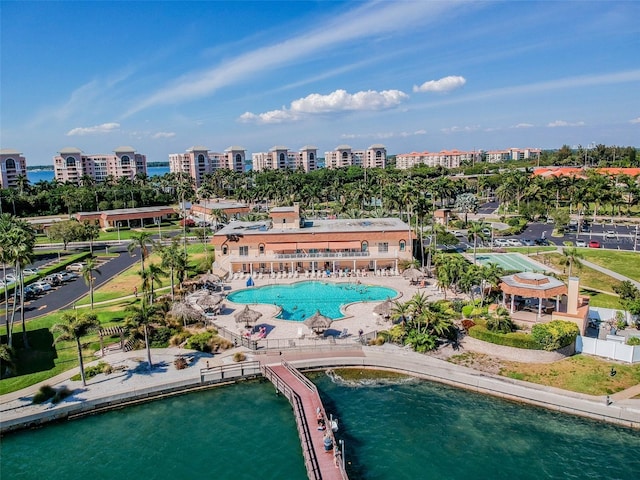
[118,225]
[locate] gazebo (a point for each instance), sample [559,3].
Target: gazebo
[532,285]
[318,322]
[247,316]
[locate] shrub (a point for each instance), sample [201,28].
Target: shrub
[62,393]
[380,340]
[45,393]
[93,370]
[466,311]
[161,337]
[179,338]
[180,363]
[517,340]
[239,357]
[555,334]
[633,341]
[200,342]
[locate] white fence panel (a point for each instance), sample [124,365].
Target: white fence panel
[608,349]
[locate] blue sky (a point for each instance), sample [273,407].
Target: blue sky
[412,75]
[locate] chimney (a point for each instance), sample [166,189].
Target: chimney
[573,293]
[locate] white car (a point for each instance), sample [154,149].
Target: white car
[30,271]
[76,267]
[514,242]
[41,287]
[10,278]
[581,243]
[501,242]
[610,234]
[457,233]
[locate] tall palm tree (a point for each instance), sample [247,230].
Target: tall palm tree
[150,278]
[6,224]
[87,274]
[138,319]
[571,257]
[22,241]
[175,260]
[141,240]
[74,327]
[475,232]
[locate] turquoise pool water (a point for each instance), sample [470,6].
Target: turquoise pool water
[301,300]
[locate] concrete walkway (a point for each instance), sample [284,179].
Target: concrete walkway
[131,377]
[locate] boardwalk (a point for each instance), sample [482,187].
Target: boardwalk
[304,398]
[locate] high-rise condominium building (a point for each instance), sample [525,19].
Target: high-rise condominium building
[345,156]
[71,164]
[445,158]
[198,161]
[280,158]
[12,164]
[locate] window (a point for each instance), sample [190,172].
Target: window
[201,160]
[403,245]
[244,251]
[125,160]
[11,164]
[224,250]
[364,247]
[71,162]
[261,248]
[311,156]
[383,247]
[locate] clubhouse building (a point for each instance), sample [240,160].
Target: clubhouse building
[287,244]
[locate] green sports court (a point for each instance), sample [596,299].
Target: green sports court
[512,262]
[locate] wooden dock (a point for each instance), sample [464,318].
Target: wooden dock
[305,400]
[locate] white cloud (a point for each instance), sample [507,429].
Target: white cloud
[523,125]
[382,135]
[635,120]
[96,129]
[456,129]
[337,101]
[563,123]
[163,135]
[360,23]
[445,84]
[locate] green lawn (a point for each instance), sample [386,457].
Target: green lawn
[45,360]
[624,263]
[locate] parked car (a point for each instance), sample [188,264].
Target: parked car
[594,244]
[610,234]
[10,278]
[542,241]
[514,242]
[65,276]
[581,243]
[41,287]
[457,233]
[527,242]
[187,222]
[52,279]
[30,271]
[501,242]
[76,267]
[486,232]
[30,292]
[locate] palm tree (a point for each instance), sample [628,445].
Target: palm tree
[400,311]
[137,321]
[22,241]
[500,322]
[6,224]
[175,260]
[150,278]
[7,359]
[571,257]
[87,274]
[141,240]
[74,327]
[474,232]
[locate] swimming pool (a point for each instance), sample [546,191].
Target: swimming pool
[302,299]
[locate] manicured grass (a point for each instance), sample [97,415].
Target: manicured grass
[597,299]
[45,360]
[624,263]
[588,276]
[579,373]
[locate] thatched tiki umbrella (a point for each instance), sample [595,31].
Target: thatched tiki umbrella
[318,322]
[384,309]
[247,316]
[209,278]
[185,312]
[209,301]
[412,274]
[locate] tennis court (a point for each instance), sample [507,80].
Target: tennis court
[511,262]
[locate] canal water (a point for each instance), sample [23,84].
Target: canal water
[391,430]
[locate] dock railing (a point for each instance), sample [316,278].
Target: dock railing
[310,458]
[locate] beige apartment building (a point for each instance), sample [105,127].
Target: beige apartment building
[288,244]
[281,158]
[12,164]
[496,156]
[445,158]
[198,161]
[70,165]
[344,156]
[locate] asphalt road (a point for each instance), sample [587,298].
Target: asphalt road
[64,295]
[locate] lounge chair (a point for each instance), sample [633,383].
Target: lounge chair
[344,333]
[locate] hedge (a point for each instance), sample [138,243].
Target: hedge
[516,339]
[555,334]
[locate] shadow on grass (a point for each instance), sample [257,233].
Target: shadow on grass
[40,357]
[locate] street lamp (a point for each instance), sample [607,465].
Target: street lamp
[118,225]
